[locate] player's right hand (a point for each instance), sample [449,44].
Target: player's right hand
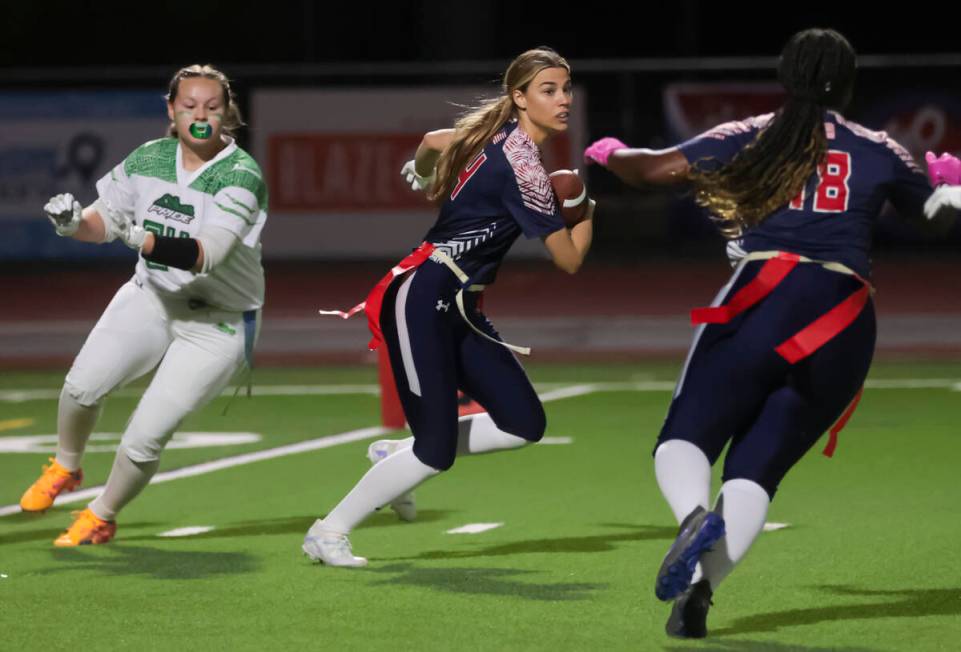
[65,213]
[417,182]
[600,150]
[943,197]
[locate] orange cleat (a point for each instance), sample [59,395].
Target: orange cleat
[54,481]
[87,528]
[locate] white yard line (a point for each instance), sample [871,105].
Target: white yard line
[227,462]
[187,531]
[474,528]
[281,451]
[561,390]
[570,391]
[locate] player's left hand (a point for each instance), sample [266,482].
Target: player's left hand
[944,169]
[943,197]
[417,182]
[132,235]
[600,150]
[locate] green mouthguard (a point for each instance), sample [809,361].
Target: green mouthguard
[201,130]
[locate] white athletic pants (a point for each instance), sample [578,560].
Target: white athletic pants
[198,352]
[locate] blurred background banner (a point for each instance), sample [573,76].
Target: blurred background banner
[332,158]
[63,141]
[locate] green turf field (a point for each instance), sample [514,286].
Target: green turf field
[869,560]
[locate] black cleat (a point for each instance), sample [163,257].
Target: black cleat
[688,618]
[698,532]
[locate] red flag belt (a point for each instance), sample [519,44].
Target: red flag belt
[810,338]
[375,299]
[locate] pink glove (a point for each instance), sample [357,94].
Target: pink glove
[600,150]
[942,170]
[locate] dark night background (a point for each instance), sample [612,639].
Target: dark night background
[54,34]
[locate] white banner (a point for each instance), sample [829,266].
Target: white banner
[332,159]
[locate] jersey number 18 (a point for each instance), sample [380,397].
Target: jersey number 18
[831,194]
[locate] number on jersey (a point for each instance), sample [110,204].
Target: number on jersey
[832,192]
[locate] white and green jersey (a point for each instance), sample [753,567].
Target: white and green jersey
[152,188]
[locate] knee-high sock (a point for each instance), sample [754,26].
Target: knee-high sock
[684,476]
[127,479]
[75,422]
[477,434]
[743,504]
[385,481]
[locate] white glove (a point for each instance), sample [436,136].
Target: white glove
[132,235]
[65,213]
[417,182]
[943,197]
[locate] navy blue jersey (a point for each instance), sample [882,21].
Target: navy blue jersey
[503,192]
[833,217]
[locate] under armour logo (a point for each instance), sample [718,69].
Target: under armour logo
[442,306]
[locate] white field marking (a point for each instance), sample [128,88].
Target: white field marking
[248,458]
[556,441]
[14,424]
[21,395]
[3,577]
[770,527]
[48,443]
[474,528]
[187,531]
[226,463]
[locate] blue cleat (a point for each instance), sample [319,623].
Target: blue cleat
[699,531]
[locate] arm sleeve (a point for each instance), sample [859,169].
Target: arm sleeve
[237,210]
[116,200]
[217,243]
[529,197]
[721,144]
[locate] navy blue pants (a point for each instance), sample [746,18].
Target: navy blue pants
[433,353]
[736,388]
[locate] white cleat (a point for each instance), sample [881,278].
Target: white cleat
[404,505]
[330,548]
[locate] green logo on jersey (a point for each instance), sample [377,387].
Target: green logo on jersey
[170,207]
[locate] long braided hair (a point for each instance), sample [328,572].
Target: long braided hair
[817,69]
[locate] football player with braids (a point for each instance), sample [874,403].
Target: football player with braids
[427,311]
[193,205]
[781,355]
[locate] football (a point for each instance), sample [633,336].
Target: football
[571,196]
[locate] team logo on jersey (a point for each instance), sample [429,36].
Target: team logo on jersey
[170,207]
[442,306]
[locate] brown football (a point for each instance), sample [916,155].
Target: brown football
[571,196]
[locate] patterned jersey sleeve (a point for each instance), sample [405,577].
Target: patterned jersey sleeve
[240,204]
[117,192]
[528,194]
[721,144]
[909,187]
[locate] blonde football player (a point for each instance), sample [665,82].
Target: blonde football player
[193,205]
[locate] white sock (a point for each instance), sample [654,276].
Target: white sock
[127,479]
[477,434]
[75,422]
[394,475]
[743,504]
[684,476]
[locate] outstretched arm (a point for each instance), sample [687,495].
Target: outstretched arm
[639,167]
